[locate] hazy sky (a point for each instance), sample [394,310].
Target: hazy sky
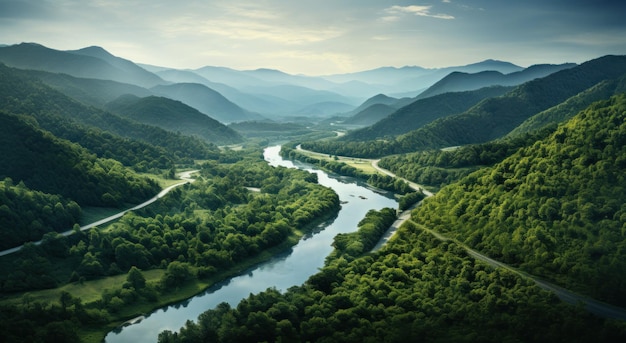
[323,36]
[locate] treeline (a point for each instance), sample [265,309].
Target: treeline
[370,230]
[46,163]
[415,289]
[210,226]
[555,208]
[26,215]
[440,167]
[385,182]
[197,232]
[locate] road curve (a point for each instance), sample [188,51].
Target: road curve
[185,176]
[596,307]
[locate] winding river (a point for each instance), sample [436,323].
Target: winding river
[281,272]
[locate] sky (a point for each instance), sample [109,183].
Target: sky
[324,36]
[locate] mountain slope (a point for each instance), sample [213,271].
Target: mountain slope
[422,112]
[132,71]
[496,117]
[260,104]
[39,57]
[573,105]
[461,81]
[370,115]
[46,163]
[555,208]
[205,100]
[103,133]
[92,92]
[172,115]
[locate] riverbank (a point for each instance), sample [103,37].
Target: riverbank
[97,334]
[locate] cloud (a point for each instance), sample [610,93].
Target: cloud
[418,10]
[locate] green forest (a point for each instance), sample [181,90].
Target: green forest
[415,289]
[196,233]
[555,208]
[531,176]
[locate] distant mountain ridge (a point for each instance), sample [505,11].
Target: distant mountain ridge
[423,111]
[205,100]
[489,119]
[462,81]
[80,63]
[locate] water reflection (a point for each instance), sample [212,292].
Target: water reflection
[285,270]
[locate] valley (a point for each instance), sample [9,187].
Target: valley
[257,205]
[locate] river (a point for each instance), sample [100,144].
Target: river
[281,272]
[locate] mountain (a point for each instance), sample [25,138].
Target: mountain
[205,100]
[38,57]
[410,79]
[46,163]
[266,106]
[491,118]
[496,117]
[92,92]
[554,208]
[422,112]
[379,99]
[573,105]
[323,109]
[103,133]
[131,70]
[370,115]
[172,115]
[462,81]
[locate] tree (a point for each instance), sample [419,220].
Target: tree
[136,278]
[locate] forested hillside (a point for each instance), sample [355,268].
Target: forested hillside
[195,236]
[423,111]
[416,289]
[561,112]
[90,62]
[104,133]
[27,215]
[52,176]
[492,118]
[555,208]
[174,116]
[439,167]
[46,163]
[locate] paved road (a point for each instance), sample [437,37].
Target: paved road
[185,176]
[596,307]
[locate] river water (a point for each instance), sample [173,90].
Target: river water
[281,272]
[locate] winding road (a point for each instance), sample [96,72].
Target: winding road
[596,307]
[185,176]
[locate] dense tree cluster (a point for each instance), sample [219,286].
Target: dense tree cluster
[440,167]
[415,289]
[46,163]
[555,208]
[370,229]
[208,226]
[26,215]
